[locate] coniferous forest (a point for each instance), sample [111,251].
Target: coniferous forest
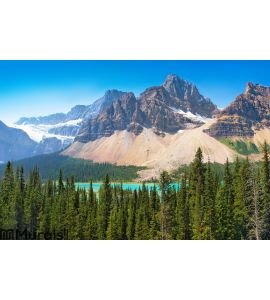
[228,205]
[50,164]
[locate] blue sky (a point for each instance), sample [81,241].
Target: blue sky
[34,88]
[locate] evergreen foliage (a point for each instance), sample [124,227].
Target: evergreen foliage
[50,164]
[213,202]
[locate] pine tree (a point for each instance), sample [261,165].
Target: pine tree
[165,189]
[182,212]
[196,196]
[33,202]
[266,192]
[104,208]
[7,200]
[241,192]
[209,215]
[19,199]
[131,216]
[224,207]
[91,222]
[44,219]
[256,212]
[113,232]
[154,223]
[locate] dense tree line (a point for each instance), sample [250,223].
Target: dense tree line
[232,204]
[50,164]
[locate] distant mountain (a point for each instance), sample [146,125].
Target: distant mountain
[174,106]
[47,120]
[65,126]
[249,112]
[75,113]
[15,144]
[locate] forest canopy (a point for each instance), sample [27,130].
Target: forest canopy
[224,202]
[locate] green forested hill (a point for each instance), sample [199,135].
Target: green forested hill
[50,164]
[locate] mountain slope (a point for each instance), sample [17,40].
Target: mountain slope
[15,144]
[151,150]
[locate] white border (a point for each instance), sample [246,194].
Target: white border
[118,29]
[125,29]
[135,270]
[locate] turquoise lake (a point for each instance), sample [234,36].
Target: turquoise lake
[126,186]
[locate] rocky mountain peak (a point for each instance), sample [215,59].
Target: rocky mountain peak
[113,94]
[257,90]
[249,88]
[187,96]
[177,87]
[247,112]
[173,106]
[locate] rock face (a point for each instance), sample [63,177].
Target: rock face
[231,126]
[166,109]
[186,97]
[248,112]
[115,116]
[93,110]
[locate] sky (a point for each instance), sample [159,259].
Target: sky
[37,88]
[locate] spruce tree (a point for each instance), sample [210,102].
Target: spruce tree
[266,192]
[104,208]
[209,215]
[196,197]
[165,190]
[131,216]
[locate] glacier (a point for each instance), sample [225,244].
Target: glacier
[41,131]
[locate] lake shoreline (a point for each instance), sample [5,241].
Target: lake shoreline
[126,185]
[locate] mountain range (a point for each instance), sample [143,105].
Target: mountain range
[174,106]
[16,144]
[159,129]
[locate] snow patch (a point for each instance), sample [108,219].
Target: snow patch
[190,115]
